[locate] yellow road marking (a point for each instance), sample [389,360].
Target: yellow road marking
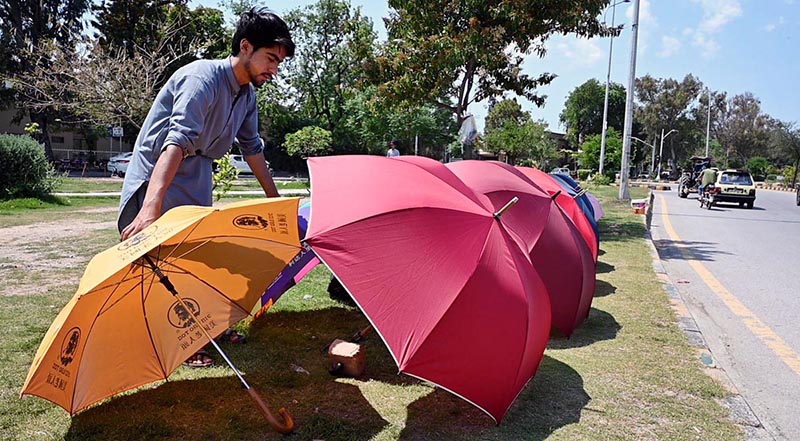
[753,323]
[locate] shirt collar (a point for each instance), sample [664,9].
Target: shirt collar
[234,85]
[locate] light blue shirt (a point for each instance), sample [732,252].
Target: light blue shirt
[202,110]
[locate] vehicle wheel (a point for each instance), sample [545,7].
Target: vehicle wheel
[749,205]
[709,203]
[741,204]
[798,198]
[682,192]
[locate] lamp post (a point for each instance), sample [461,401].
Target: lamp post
[708,122]
[608,81]
[661,150]
[624,191]
[652,155]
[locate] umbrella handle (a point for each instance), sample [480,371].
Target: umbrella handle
[285,427]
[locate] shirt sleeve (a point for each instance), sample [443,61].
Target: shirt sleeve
[249,141]
[192,98]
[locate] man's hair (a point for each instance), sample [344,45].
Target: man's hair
[394,143]
[262,28]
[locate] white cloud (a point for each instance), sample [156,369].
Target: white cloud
[772,26]
[669,46]
[648,24]
[717,13]
[579,51]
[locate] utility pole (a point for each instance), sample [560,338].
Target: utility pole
[608,82]
[661,150]
[708,122]
[624,191]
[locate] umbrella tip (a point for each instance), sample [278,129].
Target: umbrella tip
[505,208]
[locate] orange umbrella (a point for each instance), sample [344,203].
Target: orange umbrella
[128,324]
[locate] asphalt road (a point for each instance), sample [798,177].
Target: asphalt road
[738,271]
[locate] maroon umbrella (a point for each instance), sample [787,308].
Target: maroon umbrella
[441,278]
[557,250]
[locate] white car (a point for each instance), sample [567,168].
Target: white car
[118,165]
[560,171]
[241,164]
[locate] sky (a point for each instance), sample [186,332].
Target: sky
[732,46]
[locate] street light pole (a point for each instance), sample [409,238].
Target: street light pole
[624,191]
[608,82]
[661,150]
[708,122]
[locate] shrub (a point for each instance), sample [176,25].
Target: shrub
[24,168]
[583,174]
[224,175]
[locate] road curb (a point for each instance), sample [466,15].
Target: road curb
[740,411]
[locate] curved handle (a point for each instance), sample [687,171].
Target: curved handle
[285,427]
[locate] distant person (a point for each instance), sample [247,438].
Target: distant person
[707,177]
[392,152]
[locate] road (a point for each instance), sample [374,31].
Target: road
[738,270]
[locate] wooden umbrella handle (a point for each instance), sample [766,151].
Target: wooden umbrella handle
[285,427]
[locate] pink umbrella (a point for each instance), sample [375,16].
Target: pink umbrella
[433,266]
[567,203]
[557,250]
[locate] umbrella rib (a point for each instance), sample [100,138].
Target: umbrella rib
[143,297]
[212,287]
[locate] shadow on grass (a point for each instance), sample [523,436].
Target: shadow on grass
[620,230]
[603,288]
[213,405]
[553,399]
[599,326]
[603,268]
[696,250]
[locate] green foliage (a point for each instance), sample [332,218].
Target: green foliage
[583,110]
[589,156]
[758,167]
[510,130]
[224,176]
[584,174]
[25,171]
[309,141]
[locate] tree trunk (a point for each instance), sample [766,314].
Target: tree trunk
[44,134]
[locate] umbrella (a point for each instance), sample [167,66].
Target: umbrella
[294,272]
[574,189]
[567,203]
[139,307]
[442,280]
[557,251]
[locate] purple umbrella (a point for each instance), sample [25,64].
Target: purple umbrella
[304,262]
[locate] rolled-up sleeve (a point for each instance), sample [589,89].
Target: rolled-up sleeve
[247,137]
[192,98]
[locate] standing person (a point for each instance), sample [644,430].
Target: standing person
[200,112]
[392,152]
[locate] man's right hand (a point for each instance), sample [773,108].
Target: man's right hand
[143,220]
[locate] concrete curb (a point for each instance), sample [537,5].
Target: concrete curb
[740,411]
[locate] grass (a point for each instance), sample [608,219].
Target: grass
[627,373]
[90,185]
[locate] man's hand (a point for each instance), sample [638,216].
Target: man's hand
[145,217]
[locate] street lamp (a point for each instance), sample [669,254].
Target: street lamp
[608,81]
[661,150]
[652,155]
[708,122]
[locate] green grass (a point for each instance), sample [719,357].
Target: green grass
[626,374]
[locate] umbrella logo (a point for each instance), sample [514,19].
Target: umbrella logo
[138,238]
[179,317]
[250,222]
[69,346]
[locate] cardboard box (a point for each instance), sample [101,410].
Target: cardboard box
[347,358]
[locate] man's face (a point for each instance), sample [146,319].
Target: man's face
[262,64]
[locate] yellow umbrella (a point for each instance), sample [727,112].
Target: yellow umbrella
[137,313]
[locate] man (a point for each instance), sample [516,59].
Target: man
[392,149]
[200,112]
[196,117]
[707,177]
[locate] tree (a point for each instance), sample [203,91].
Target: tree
[583,110]
[512,131]
[452,53]
[786,138]
[24,25]
[743,130]
[332,40]
[589,155]
[667,104]
[309,141]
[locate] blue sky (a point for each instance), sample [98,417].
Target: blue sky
[734,46]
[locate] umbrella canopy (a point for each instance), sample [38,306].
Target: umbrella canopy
[574,189]
[294,272]
[567,203]
[124,329]
[443,281]
[557,251]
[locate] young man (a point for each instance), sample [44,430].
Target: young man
[200,112]
[196,117]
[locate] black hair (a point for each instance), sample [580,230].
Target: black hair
[262,28]
[394,142]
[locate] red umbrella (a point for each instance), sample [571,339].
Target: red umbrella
[557,250]
[440,277]
[567,203]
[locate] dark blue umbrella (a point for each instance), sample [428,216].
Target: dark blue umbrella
[574,189]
